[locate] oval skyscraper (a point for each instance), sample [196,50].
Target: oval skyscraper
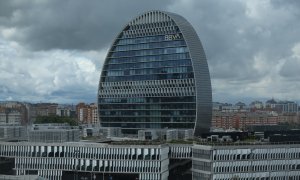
[156,75]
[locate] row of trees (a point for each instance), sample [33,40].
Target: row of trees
[56,119]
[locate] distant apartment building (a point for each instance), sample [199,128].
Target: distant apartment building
[94,113]
[225,120]
[10,116]
[238,116]
[258,119]
[256,105]
[240,120]
[63,110]
[50,109]
[241,105]
[270,104]
[81,111]
[20,110]
[87,113]
[42,109]
[227,107]
[82,115]
[287,107]
[289,118]
[46,109]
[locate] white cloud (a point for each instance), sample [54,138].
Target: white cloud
[256,9]
[296,51]
[8,32]
[42,74]
[9,98]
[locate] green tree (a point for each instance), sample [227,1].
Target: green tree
[56,119]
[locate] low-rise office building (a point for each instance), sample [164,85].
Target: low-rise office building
[51,133]
[88,160]
[10,117]
[153,160]
[165,134]
[101,132]
[21,177]
[12,132]
[259,161]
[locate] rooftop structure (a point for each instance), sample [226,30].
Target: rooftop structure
[154,160]
[10,132]
[51,133]
[85,160]
[246,161]
[10,116]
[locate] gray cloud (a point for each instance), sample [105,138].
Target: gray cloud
[6,9]
[72,24]
[234,33]
[287,3]
[290,66]
[290,70]
[248,45]
[252,46]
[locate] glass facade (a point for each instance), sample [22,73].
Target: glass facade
[147,80]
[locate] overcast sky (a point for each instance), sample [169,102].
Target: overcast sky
[53,50]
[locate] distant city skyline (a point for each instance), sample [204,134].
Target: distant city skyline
[53,51]
[233,102]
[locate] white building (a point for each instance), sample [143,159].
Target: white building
[287,107]
[246,162]
[85,160]
[147,134]
[12,132]
[256,104]
[185,134]
[53,132]
[171,134]
[94,114]
[11,117]
[102,132]
[166,134]
[21,177]
[63,111]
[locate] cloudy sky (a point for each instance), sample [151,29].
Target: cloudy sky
[53,50]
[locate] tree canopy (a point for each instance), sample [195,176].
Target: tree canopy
[56,119]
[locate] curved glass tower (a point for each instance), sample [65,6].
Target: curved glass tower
[156,75]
